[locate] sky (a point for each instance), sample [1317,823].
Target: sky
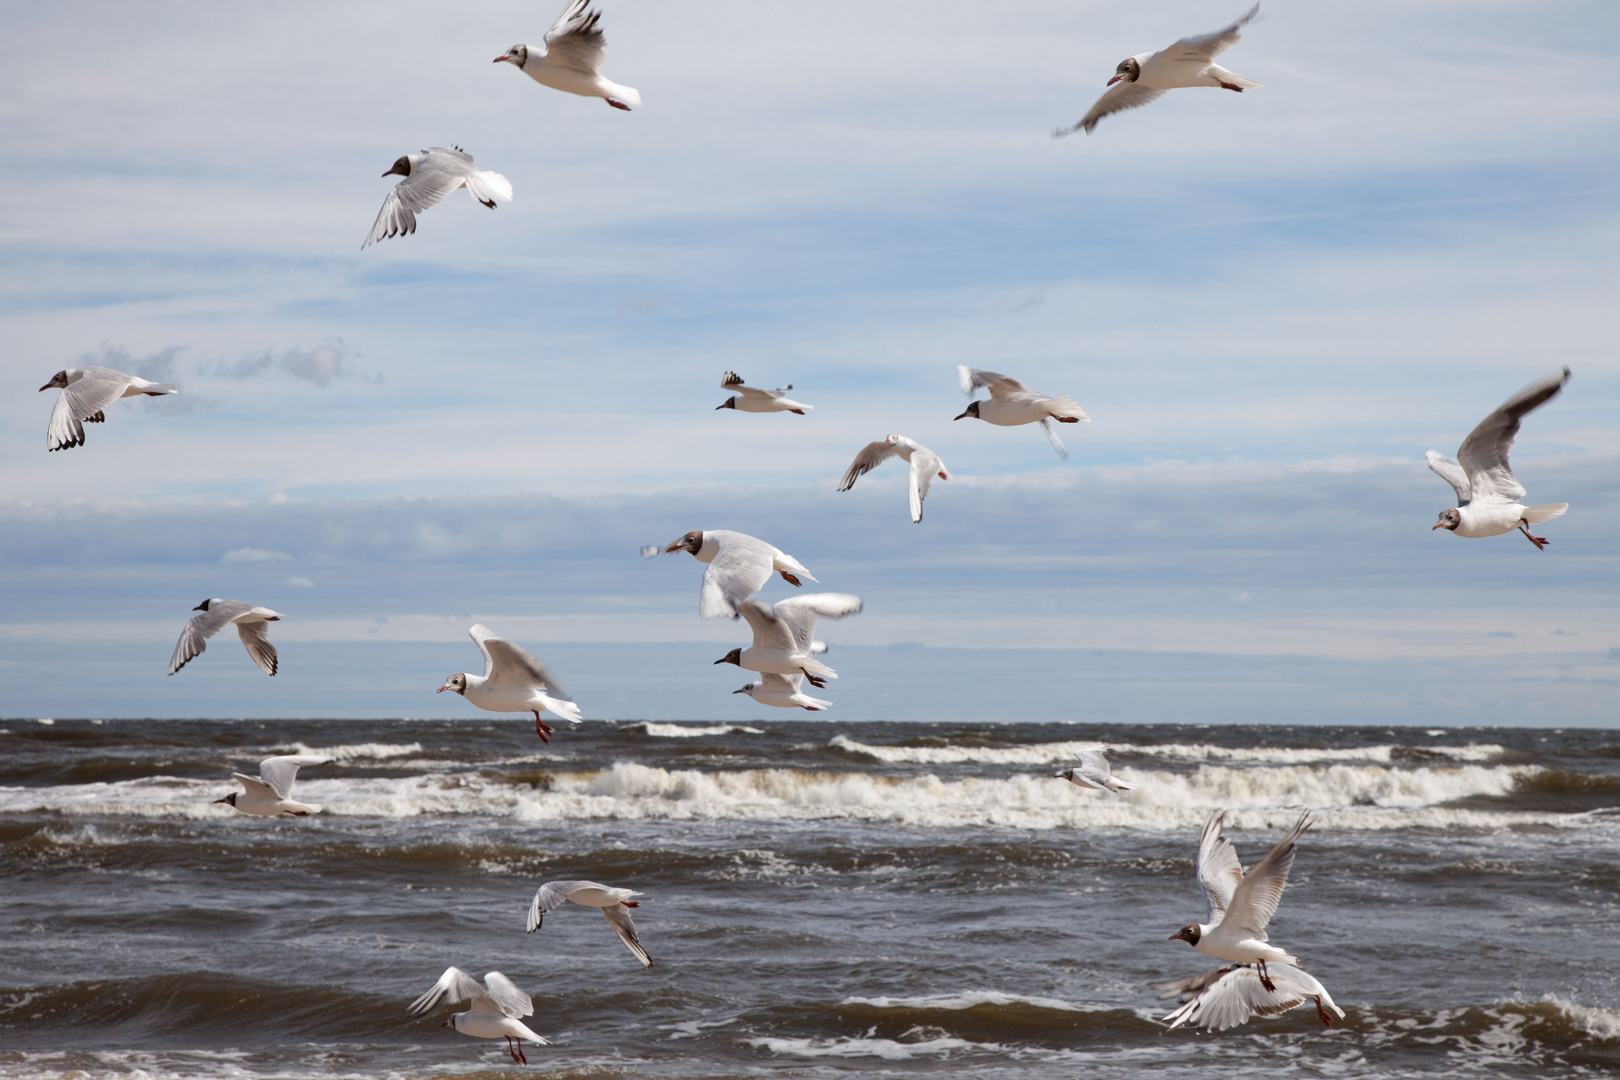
[1271,304]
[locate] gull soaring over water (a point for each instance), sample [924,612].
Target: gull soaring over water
[513,681]
[925,465]
[571,58]
[429,177]
[252,625]
[784,635]
[1240,905]
[1488,494]
[739,565]
[85,393]
[1229,996]
[754,399]
[1145,77]
[270,793]
[784,692]
[615,905]
[1012,404]
[497,1009]
[1094,772]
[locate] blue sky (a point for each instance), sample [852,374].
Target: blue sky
[1271,304]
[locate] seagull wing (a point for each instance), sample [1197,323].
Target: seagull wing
[508,667]
[1451,473]
[1095,764]
[551,896]
[427,186]
[786,684]
[738,570]
[873,455]
[1219,871]
[256,638]
[1052,437]
[770,632]
[925,465]
[618,917]
[453,986]
[255,786]
[1230,996]
[798,614]
[1484,454]
[504,995]
[1117,98]
[1203,48]
[999,385]
[83,402]
[1255,900]
[574,40]
[280,772]
[200,627]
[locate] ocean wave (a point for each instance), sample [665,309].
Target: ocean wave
[370,751]
[1057,752]
[963,1002]
[692,731]
[929,1044]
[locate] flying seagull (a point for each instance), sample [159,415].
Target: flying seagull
[252,623]
[783,691]
[754,399]
[1488,494]
[739,566]
[571,58]
[925,465]
[614,903]
[513,681]
[1094,772]
[1229,996]
[1012,403]
[1240,905]
[784,635]
[1145,77]
[497,1009]
[270,793]
[429,177]
[85,393]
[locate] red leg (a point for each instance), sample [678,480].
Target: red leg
[1326,1019]
[617,104]
[1265,980]
[1539,541]
[789,578]
[541,728]
[1231,86]
[1067,419]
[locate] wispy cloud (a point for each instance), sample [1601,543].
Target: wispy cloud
[331,360]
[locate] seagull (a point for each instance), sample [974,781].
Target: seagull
[1012,403]
[1229,996]
[615,905]
[571,58]
[429,177]
[270,793]
[739,566]
[1240,905]
[496,1009]
[1145,77]
[1093,772]
[783,692]
[1487,493]
[784,635]
[85,393]
[251,623]
[925,464]
[513,681]
[753,399]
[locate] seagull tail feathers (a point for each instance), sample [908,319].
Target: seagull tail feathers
[1535,515]
[489,187]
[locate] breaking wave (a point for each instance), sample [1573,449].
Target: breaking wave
[942,752]
[691,731]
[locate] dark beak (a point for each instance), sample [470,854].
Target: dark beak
[744,691]
[960,417]
[199,607]
[722,660]
[47,386]
[673,548]
[225,800]
[717,408]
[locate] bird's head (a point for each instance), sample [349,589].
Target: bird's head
[729,403]
[732,657]
[893,440]
[58,381]
[229,800]
[1066,774]
[972,410]
[692,541]
[749,689]
[402,167]
[456,682]
[517,55]
[1129,70]
[1189,933]
[1449,519]
[203,606]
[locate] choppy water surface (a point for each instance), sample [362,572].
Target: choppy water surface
[822,900]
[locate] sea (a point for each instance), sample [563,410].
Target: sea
[820,899]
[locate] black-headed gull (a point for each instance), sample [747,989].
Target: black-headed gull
[497,1007]
[1487,493]
[739,565]
[1229,996]
[85,393]
[429,177]
[753,399]
[513,681]
[784,635]
[571,58]
[615,905]
[925,465]
[1094,772]
[784,692]
[1145,77]
[270,793]
[1012,403]
[252,624]
[1240,905]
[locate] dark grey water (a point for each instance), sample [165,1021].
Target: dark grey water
[821,899]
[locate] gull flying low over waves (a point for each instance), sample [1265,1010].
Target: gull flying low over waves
[85,393]
[270,793]
[429,177]
[513,681]
[925,465]
[1240,905]
[252,623]
[1488,494]
[754,399]
[1229,996]
[1145,77]
[739,566]
[783,691]
[614,903]
[496,1009]
[784,635]
[571,58]
[1012,403]
[1094,772]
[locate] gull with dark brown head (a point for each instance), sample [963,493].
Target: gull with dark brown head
[615,905]
[925,465]
[270,793]
[570,59]
[753,399]
[783,692]
[1011,404]
[784,635]
[252,625]
[429,177]
[1094,772]
[739,565]
[85,393]
[513,681]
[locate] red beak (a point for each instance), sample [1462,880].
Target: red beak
[1115,79]
[1437,525]
[499,59]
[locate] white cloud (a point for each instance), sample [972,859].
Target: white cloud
[254,555]
[300,583]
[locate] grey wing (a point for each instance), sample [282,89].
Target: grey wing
[738,570]
[1451,473]
[81,402]
[199,628]
[418,191]
[1190,987]
[1219,871]
[770,631]
[1484,454]
[973,379]
[1236,996]
[873,455]
[508,667]
[256,638]
[505,996]
[618,917]
[1255,900]
[787,684]
[574,40]
[551,896]
[280,772]
[1117,98]
[255,786]
[453,986]
[798,615]
[1206,47]
[1094,762]
[1052,437]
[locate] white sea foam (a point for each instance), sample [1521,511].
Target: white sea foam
[1056,752]
[353,751]
[1600,1024]
[938,1044]
[972,999]
[690,731]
